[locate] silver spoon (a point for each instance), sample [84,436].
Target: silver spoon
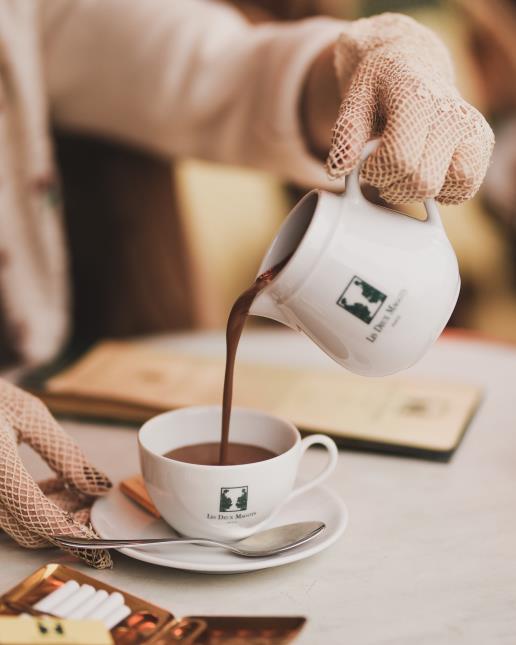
[263,543]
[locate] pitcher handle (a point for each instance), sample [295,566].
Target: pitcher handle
[354,191]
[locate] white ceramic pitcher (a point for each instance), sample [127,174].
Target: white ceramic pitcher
[372,287]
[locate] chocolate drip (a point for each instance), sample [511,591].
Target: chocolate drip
[236,321]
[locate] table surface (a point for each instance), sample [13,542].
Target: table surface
[429,553]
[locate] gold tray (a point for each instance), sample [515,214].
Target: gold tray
[148,623]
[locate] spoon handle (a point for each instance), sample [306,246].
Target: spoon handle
[88,543]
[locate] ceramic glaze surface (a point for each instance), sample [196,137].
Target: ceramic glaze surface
[224,502]
[372,287]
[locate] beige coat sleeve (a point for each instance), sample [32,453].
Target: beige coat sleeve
[184,78]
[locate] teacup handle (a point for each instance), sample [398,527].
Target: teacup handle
[333,454]
[353,190]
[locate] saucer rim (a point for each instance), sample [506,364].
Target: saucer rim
[243,566]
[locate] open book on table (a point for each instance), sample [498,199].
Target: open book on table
[132,381]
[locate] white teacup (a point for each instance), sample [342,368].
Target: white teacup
[193,498]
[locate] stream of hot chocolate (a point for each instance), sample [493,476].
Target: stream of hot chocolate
[236,321]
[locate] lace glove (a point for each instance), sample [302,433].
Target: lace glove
[32,513]
[396,80]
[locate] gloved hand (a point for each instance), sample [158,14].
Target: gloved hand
[29,513]
[396,81]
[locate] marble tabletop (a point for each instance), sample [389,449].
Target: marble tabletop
[429,556]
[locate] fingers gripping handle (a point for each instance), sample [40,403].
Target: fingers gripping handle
[353,185]
[333,454]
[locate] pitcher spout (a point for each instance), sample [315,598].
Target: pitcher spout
[265,305]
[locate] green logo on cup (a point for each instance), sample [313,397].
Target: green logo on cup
[361,299]
[232,499]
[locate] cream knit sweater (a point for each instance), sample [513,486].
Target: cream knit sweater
[180,77]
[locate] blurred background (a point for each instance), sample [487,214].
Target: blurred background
[229,215]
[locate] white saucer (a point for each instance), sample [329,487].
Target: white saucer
[116,516]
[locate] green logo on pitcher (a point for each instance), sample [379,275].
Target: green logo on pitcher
[361,299]
[232,499]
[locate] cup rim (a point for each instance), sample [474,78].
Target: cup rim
[193,409]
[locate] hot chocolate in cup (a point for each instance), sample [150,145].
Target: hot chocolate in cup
[226,502]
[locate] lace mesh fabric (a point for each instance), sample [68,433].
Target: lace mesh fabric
[32,513]
[396,81]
